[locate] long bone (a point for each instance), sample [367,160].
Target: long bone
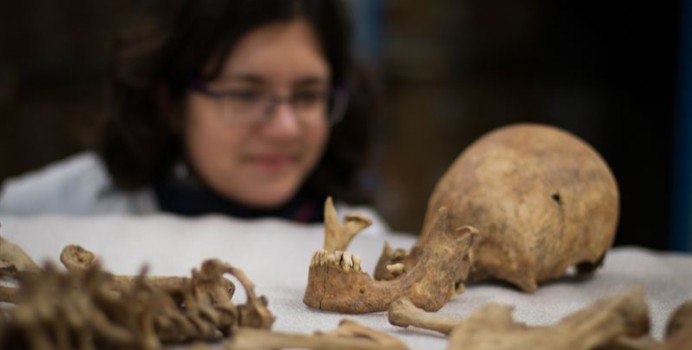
[336,281]
[349,335]
[619,322]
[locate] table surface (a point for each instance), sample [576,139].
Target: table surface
[276,254]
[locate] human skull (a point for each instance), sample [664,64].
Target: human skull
[542,199]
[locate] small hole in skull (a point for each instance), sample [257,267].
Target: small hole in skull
[556,198]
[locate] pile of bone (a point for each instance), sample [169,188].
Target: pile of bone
[616,323]
[84,307]
[420,281]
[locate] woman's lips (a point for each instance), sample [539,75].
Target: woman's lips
[272,163]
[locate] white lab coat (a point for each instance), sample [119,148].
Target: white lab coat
[80,185]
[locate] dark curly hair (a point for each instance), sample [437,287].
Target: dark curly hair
[168,42]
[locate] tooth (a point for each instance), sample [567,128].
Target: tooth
[396,269]
[347,261]
[321,258]
[331,259]
[356,262]
[339,257]
[316,257]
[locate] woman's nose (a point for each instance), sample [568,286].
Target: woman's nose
[282,117]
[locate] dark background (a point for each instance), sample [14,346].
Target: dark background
[451,70]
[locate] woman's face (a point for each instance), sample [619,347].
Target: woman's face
[265,162]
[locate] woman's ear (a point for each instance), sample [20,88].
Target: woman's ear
[170,111]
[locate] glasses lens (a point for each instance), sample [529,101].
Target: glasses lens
[245,107]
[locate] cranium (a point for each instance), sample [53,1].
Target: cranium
[544,200]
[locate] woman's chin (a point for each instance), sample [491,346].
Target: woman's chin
[267,198]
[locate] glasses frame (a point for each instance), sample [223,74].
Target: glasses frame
[337,101]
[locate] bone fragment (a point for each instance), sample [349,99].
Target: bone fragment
[76,258]
[337,236]
[86,307]
[13,259]
[679,328]
[613,323]
[349,335]
[442,263]
[403,313]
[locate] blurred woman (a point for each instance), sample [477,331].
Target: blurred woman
[249,108]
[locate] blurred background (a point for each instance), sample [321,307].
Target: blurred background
[615,73]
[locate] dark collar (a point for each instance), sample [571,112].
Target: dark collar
[193,199]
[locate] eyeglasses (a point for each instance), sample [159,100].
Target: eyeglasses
[248,107]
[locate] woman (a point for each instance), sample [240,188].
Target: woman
[249,108]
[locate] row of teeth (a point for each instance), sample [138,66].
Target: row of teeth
[345,260]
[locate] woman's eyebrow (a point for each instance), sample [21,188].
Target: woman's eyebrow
[246,78]
[306,81]
[311,81]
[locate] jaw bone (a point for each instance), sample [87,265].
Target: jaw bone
[336,281]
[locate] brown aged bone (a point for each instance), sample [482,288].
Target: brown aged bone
[619,322]
[336,281]
[77,259]
[86,307]
[336,236]
[403,313]
[544,199]
[349,335]
[678,333]
[13,259]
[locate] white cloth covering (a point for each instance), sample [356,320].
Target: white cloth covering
[275,255]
